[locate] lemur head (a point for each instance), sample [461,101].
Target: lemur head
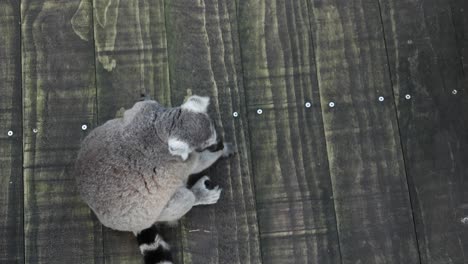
[193,130]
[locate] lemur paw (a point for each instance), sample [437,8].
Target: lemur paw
[205,192]
[229,150]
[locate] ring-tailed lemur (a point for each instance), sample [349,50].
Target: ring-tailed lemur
[132,171]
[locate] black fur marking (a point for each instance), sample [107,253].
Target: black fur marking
[193,178]
[209,185]
[155,116]
[213,148]
[157,256]
[147,236]
[144,97]
[216,147]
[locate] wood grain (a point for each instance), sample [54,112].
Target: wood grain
[131,55]
[459,15]
[59,96]
[315,184]
[424,40]
[131,61]
[293,189]
[204,59]
[372,204]
[11,171]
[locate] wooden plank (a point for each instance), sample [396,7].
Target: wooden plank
[11,147]
[293,189]
[131,61]
[59,96]
[373,209]
[424,55]
[131,56]
[459,14]
[204,59]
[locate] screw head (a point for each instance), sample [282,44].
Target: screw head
[235,114]
[381,98]
[84,127]
[408,97]
[454,91]
[10,133]
[308,104]
[331,104]
[259,111]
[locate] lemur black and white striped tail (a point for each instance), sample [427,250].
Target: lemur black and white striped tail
[154,249]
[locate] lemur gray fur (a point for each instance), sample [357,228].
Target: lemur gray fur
[132,171]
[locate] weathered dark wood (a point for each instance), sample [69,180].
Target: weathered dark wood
[11,148]
[309,185]
[459,14]
[425,49]
[293,189]
[131,56]
[373,209]
[59,96]
[204,59]
[131,61]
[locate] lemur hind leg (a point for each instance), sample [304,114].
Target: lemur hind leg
[181,202]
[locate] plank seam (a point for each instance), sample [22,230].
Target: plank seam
[167,54]
[96,106]
[169,97]
[254,194]
[399,130]
[22,125]
[460,55]
[326,143]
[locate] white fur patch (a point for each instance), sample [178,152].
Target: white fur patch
[213,138]
[148,247]
[179,148]
[197,104]
[153,246]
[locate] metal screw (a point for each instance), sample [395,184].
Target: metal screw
[408,97]
[331,104]
[35,130]
[10,133]
[381,98]
[308,104]
[235,114]
[84,127]
[259,111]
[454,91]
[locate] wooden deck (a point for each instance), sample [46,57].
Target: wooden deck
[366,181]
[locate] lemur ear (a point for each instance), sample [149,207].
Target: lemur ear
[197,104]
[179,148]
